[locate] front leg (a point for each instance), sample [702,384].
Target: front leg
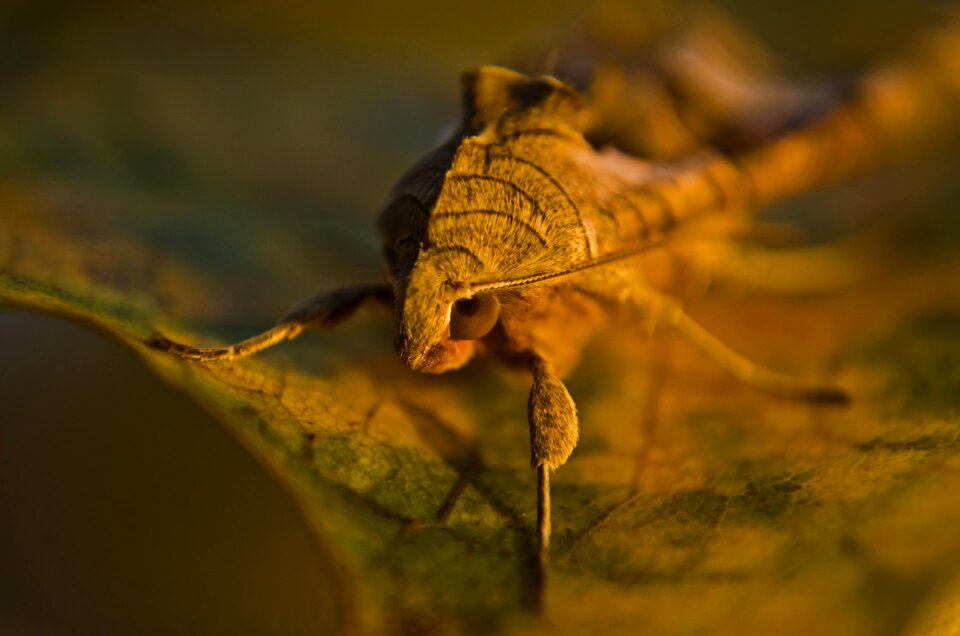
[554,432]
[323,311]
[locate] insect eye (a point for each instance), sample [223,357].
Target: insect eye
[473,318]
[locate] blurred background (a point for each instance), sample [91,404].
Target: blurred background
[255,142]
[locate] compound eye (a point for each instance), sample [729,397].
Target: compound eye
[473,318]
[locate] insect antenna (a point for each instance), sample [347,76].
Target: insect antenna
[606,259]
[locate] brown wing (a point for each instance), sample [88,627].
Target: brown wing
[691,82]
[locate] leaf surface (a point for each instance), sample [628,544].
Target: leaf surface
[692,504]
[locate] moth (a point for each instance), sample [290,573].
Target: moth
[521,234]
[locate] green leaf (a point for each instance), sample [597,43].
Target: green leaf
[692,504]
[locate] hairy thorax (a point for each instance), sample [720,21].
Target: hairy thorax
[519,194]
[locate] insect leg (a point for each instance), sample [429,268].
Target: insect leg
[323,311]
[543,529]
[554,432]
[800,270]
[743,369]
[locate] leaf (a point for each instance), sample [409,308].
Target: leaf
[691,505]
